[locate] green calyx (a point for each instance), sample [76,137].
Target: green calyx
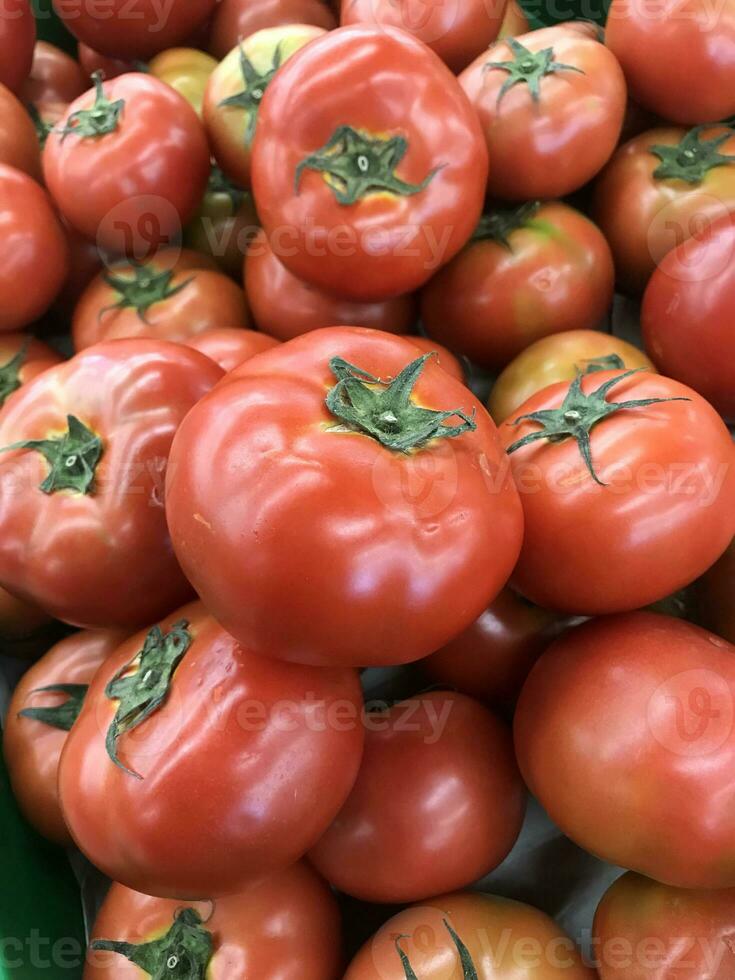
[72,457]
[469,970]
[254,85]
[355,164]
[692,158]
[385,412]
[579,414]
[500,224]
[147,287]
[182,954]
[220,184]
[527,68]
[142,692]
[10,373]
[61,716]
[101,119]
[43,128]
[607,362]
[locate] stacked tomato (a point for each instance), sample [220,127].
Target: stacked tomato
[276,249]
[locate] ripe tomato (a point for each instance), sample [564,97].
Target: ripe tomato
[225,223]
[624,730]
[186,70]
[236,20]
[515,21]
[22,358]
[286,307]
[714,596]
[285,926]
[404,573]
[134,201]
[43,708]
[92,61]
[647,931]
[529,272]
[34,256]
[444,358]
[85,262]
[551,104]
[366,187]
[55,76]
[236,89]
[658,190]
[457,31]
[124,32]
[17,38]
[155,300]
[688,34]
[255,737]
[470,935]
[18,139]
[230,346]
[559,357]
[687,315]
[86,539]
[434,752]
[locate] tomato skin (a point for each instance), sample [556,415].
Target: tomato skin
[550,148]
[285,306]
[99,559]
[230,346]
[37,357]
[223,226]
[410,576]
[55,76]
[444,358]
[670,470]
[385,244]
[639,925]
[687,315]
[186,70]
[18,140]
[32,748]
[238,19]
[92,61]
[714,595]
[19,620]
[493,300]
[153,834]
[126,190]
[556,358]
[608,735]
[515,21]
[17,39]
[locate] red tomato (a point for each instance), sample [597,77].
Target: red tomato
[399,572]
[286,307]
[444,358]
[22,358]
[133,32]
[647,931]
[527,273]
[715,596]
[92,61]
[134,201]
[283,927]
[224,224]
[649,510]
[457,31]
[366,187]
[624,731]
[470,935]
[434,755]
[229,768]
[236,20]
[41,713]
[86,539]
[18,138]
[55,76]
[551,104]
[688,311]
[17,38]
[85,262]
[230,346]
[515,21]
[19,621]
[658,190]
[648,40]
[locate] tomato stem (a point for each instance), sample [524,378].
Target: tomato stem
[61,716]
[99,120]
[10,373]
[254,85]
[500,224]
[527,68]
[147,287]
[72,457]
[692,158]
[183,952]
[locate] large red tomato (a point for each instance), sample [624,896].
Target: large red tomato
[529,272]
[44,706]
[624,730]
[473,936]
[366,186]
[22,357]
[17,38]
[207,766]
[551,104]
[87,443]
[55,76]
[383,508]
[647,931]
[230,346]
[285,927]
[133,201]
[444,358]
[19,145]
[285,306]
[236,20]
[438,802]
[628,487]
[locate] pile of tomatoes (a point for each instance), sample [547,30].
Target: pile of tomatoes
[256,270]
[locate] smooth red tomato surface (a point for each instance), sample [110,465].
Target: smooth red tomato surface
[526,273]
[55,76]
[687,315]
[241,767]
[515,21]
[22,357]
[32,746]
[647,931]
[700,41]
[92,61]
[92,548]
[444,358]
[236,20]
[286,307]
[411,545]
[366,187]
[17,38]
[662,512]
[85,262]
[134,202]
[438,802]
[18,139]
[502,939]
[715,596]
[230,346]
[624,731]
[549,146]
